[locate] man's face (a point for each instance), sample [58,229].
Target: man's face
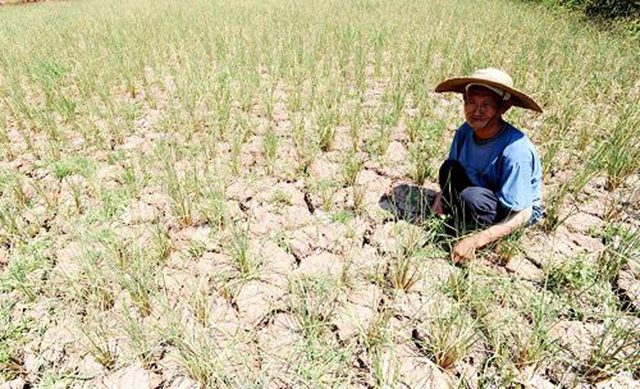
[480,107]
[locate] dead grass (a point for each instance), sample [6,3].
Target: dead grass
[190,196]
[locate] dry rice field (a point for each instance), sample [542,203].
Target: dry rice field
[218,194]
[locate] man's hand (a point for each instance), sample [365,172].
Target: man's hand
[437,208]
[464,251]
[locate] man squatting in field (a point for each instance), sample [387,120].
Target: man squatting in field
[492,178]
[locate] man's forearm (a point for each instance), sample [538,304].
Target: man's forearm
[495,232]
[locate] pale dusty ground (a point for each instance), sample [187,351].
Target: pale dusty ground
[294,234]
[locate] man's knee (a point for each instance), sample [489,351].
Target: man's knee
[445,172]
[479,204]
[450,170]
[474,197]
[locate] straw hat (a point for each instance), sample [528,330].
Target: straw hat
[495,80]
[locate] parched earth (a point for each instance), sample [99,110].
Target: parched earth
[318,246]
[13,2]
[301,281]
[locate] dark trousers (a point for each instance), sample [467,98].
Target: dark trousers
[471,206]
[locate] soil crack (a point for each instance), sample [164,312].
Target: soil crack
[307,200]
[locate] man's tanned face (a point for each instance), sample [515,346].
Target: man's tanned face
[481,106]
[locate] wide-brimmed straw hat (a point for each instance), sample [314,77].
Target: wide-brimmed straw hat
[495,80]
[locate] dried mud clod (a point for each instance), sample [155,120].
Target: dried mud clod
[184,211]
[628,283]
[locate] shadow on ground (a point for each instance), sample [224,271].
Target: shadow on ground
[408,202]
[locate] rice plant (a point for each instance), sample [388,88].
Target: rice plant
[446,339]
[196,112]
[240,250]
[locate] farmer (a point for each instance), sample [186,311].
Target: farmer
[492,178]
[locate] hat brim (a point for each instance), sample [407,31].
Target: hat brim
[518,98]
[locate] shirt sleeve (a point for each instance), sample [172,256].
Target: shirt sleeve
[516,190]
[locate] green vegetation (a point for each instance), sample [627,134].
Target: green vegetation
[194,187]
[609,9]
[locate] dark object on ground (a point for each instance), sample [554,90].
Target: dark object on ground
[408,202]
